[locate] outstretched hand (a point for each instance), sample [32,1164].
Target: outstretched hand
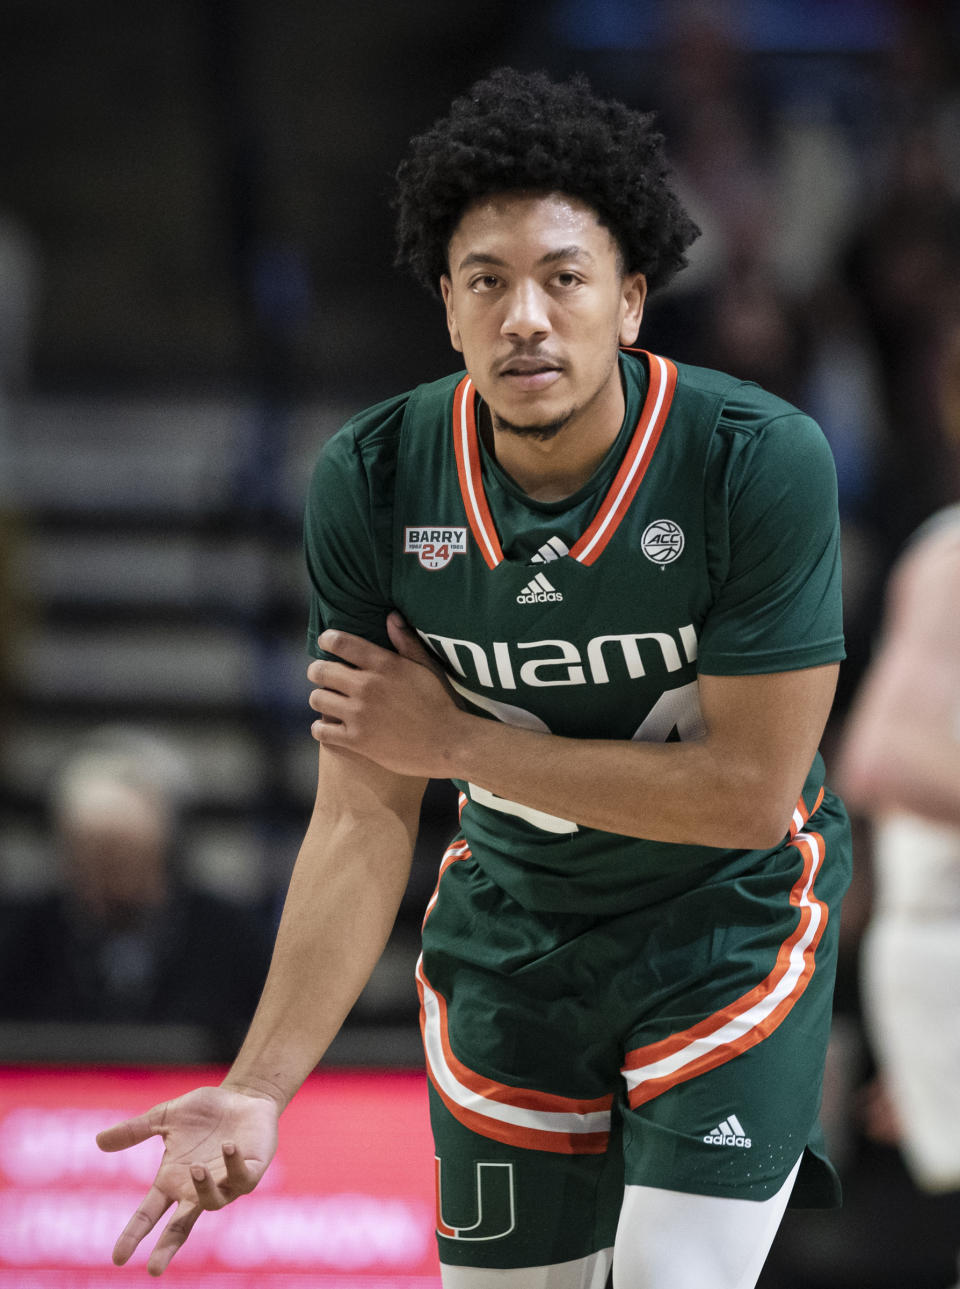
[395,708]
[217,1144]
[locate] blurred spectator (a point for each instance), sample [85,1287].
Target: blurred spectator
[125,938]
[904,264]
[754,330]
[715,120]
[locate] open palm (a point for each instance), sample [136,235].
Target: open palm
[217,1145]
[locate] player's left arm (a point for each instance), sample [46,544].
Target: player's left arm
[736,787]
[901,746]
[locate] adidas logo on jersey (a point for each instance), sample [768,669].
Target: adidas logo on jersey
[551,550]
[729,1133]
[538,591]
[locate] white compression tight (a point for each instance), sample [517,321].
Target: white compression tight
[665,1240]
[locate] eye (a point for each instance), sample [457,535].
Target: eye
[484,282]
[566,279]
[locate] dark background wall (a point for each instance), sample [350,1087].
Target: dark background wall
[207,183]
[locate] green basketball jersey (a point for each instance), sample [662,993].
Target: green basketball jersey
[708,540]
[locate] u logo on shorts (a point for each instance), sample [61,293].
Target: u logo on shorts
[495,1204]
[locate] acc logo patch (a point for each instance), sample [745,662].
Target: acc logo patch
[435,547]
[662,541]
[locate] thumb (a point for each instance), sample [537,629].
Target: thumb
[131,1132]
[407,643]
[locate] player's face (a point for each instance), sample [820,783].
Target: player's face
[538,304]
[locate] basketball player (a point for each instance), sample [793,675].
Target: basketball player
[599,591]
[901,765]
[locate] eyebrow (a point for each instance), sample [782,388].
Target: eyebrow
[573,252]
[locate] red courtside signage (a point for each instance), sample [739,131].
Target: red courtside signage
[348,1202]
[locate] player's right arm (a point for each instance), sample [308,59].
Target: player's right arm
[341,904]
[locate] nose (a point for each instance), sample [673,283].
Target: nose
[527,312]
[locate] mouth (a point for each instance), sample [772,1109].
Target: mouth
[530,373]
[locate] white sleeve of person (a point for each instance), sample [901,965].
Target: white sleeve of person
[911,990]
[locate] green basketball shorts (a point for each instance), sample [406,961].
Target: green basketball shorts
[679,1046]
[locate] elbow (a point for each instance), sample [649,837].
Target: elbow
[754,834]
[761,818]
[772,832]
[779,815]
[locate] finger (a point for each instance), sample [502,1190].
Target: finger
[239,1179]
[330,733]
[407,643]
[240,1176]
[327,719]
[154,1205]
[318,700]
[330,705]
[130,1132]
[173,1236]
[332,677]
[209,1193]
[352,649]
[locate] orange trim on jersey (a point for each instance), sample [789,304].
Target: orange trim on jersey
[653,417]
[752,1017]
[616,503]
[467,449]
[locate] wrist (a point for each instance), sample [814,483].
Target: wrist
[474,745]
[251,1085]
[464,735]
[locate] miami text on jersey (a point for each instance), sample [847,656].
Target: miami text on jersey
[561,662]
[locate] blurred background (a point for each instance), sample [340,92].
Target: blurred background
[196,289]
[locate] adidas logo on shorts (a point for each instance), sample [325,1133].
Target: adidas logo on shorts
[729,1133]
[539,591]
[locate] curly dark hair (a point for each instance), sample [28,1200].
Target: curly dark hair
[516,130]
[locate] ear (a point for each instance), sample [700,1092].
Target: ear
[446,290]
[633,299]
